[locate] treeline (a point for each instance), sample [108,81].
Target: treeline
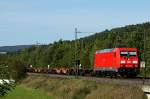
[62,53]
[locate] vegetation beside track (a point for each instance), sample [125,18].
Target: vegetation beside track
[61,53]
[69,88]
[22,92]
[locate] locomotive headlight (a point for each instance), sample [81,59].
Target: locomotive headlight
[135,62]
[122,62]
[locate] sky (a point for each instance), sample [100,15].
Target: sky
[24,22]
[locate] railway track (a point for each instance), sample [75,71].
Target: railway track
[139,81]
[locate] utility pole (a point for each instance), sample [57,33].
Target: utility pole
[76,52]
[144,56]
[77,60]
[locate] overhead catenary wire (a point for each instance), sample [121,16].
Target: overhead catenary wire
[77,60]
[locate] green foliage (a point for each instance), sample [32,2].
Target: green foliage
[12,67]
[16,69]
[5,88]
[61,53]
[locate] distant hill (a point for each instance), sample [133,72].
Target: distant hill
[13,48]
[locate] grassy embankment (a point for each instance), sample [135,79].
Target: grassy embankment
[22,92]
[63,88]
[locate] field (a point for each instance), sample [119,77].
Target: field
[42,87]
[22,92]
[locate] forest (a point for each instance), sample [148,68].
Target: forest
[62,53]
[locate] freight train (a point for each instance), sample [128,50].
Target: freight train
[108,62]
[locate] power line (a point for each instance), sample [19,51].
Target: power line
[77,60]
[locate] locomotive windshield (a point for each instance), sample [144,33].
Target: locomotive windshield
[128,53]
[132,53]
[123,53]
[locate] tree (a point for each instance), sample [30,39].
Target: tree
[16,69]
[61,53]
[4,86]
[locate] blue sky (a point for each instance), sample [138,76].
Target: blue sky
[46,21]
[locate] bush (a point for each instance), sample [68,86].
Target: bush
[5,88]
[16,69]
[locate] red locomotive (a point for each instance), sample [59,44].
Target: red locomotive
[122,61]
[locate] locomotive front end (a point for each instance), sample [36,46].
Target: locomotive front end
[129,62]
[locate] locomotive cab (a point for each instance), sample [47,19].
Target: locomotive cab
[128,59]
[129,62]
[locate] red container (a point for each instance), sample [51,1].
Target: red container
[115,59]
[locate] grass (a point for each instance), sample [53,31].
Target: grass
[22,92]
[143,71]
[64,88]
